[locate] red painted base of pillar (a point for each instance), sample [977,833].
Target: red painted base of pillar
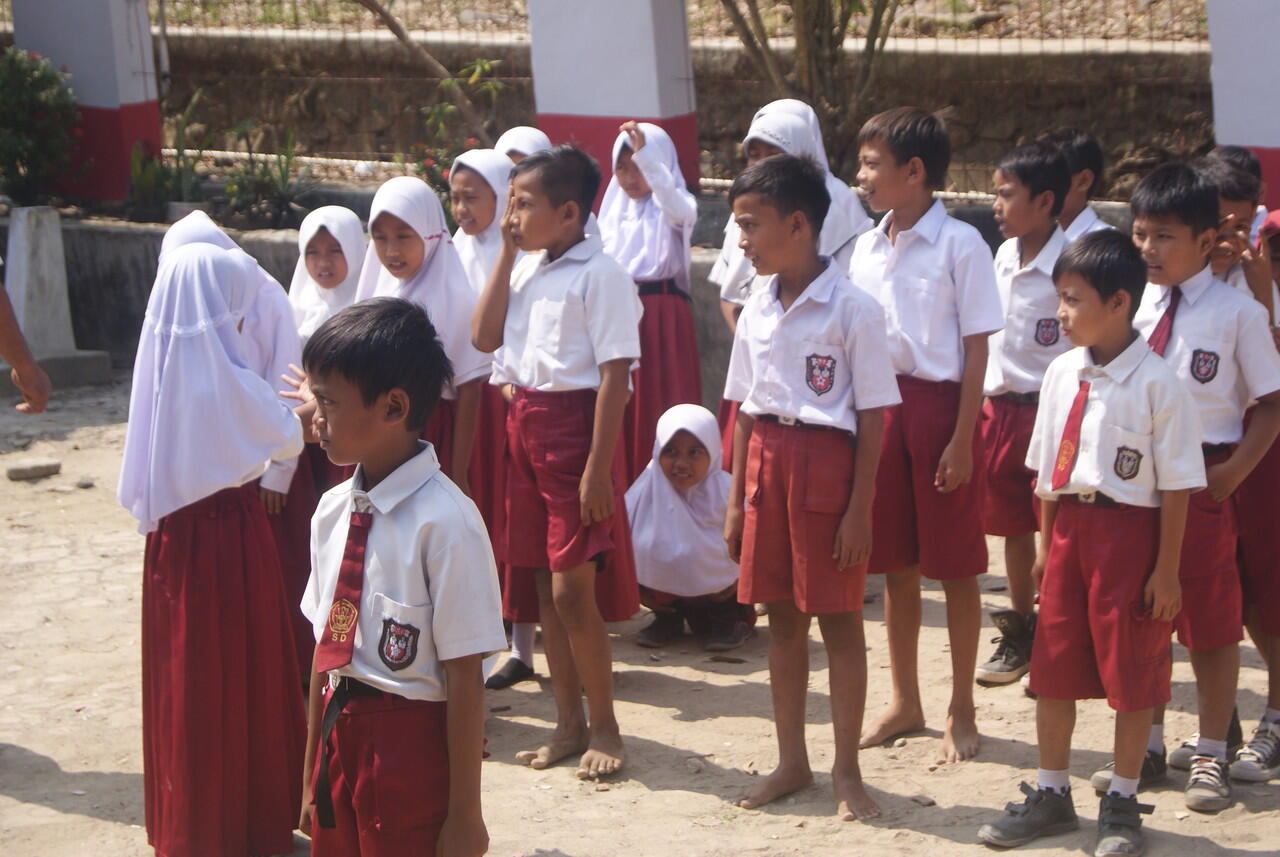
[1269,157]
[595,135]
[106,145]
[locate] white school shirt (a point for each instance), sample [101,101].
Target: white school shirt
[1235,278]
[566,317]
[1259,218]
[1032,336]
[1086,221]
[818,361]
[936,285]
[430,590]
[1140,434]
[1220,347]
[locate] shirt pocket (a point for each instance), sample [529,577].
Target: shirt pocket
[552,322]
[823,370]
[406,648]
[1126,455]
[919,309]
[1034,324]
[1204,359]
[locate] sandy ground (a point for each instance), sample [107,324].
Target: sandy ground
[698,730]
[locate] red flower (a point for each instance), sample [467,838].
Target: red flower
[34,55]
[428,162]
[471,141]
[445,175]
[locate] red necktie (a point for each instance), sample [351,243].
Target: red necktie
[336,645]
[1159,340]
[1070,439]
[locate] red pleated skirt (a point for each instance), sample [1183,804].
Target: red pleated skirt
[728,418]
[222,725]
[669,374]
[291,530]
[439,432]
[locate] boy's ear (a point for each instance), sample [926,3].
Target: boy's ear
[1043,201]
[1082,181]
[570,212]
[1121,301]
[916,173]
[395,407]
[1205,240]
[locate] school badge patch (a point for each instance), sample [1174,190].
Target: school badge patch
[1128,462]
[820,373]
[1047,332]
[342,619]
[399,644]
[1204,365]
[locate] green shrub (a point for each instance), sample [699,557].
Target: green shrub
[39,126]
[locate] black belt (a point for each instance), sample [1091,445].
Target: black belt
[1021,398]
[789,421]
[1216,449]
[343,690]
[661,287]
[1093,498]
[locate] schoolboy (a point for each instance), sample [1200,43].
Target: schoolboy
[1030,183]
[1084,159]
[1219,344]
[1235,258]
[403,597]
[810,369]
[1116,454]
[933,276]
[565,325]
[1243,159]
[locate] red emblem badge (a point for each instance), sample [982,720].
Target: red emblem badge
[820,373]
[399,644]
[1047,332]
[1204,365]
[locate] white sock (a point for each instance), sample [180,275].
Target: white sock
[1211,747]
[522,636]
[1155,738]
[1055,781]
[1271,715]
[1123,786]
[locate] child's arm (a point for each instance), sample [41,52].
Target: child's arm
[490,317]
[315,711]
[464,833]
[1048,513]
[956,465]
[853,538]
[1163,593]
[27,376]
[595,492]
[1256,262]
[674,201]
[735,516]
[465,416]
[1225,478]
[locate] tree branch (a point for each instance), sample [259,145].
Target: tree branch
[774,70]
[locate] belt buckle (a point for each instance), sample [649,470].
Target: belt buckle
[1088,497]
[787,421]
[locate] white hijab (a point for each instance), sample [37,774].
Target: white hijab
[312,303]
[635,232]
[196,228]
[679,538]
[480,252]
[199,419]
[440,286]
[522,139]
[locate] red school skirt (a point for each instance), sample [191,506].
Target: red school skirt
[728,418]
[222,721]
[291,531]
[669,372]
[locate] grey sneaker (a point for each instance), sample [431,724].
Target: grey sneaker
[1043,813]
[1154,770]
[1259,760]
[1012,657]
[1181,756]
[665,628]
[1120,826]
[1208,787]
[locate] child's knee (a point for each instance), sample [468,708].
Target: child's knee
[574,605]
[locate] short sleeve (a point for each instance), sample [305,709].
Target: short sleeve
[1176,437]
[1256,352]
[737,383]
[977,297]
[874,383]
[613,311]
[466,616]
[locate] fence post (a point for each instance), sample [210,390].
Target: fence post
[106,46]
[598,64]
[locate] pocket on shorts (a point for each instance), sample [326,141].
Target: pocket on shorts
[410,770]
[405,646]
[828,478]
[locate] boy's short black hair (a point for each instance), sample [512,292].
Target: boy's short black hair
[1041,167]
[788,183]
[910,132]
[1109,262]
[1179,191]
[1082,151]
[381,344]
[1233,183]
[565,173]
[1238,157]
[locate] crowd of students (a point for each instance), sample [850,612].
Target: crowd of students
[506,423]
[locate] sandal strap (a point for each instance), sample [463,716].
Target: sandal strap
[1123,811]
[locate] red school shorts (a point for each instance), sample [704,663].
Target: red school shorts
[913,522]
[1094,637]
[798,483]
[1211,600]
[388,777]
[1257,510]
[1009,506]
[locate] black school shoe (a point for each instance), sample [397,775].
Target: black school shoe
[725,636]
[1154,770]
[512,672]
[665,628]
[1120,826]
[1043,813]
[1012,656]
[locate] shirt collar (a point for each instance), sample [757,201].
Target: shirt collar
[819,289]
[1192,287]
[1122,366]
[401,482]
[927,227]
[1084,220]
[580,252]
[1049,253]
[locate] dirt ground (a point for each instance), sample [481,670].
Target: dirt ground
[698,730]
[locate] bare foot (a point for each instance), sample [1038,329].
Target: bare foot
[782,782]
[895,721]
[960,741]
[852,801]
[561,745]
[604,756]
